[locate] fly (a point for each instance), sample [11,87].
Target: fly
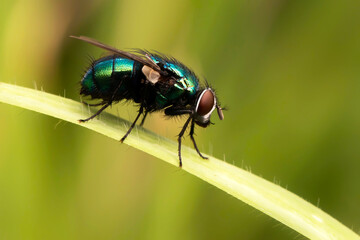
[153,81]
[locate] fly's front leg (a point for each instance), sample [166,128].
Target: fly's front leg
[193,139]
[177,112]
[179,139]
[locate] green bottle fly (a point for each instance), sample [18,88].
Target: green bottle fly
[155,82]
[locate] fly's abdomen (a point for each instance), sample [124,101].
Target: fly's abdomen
[110,78]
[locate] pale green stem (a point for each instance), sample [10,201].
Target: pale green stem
[266,196]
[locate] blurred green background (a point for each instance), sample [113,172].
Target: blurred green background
[287,70]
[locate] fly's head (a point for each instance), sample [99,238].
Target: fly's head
[204,106]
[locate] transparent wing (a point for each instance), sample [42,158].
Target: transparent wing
[143,60]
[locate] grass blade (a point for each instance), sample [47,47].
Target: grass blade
[266,196]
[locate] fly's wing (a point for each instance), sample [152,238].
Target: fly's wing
[143,60]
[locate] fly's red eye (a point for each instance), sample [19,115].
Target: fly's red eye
[206,103]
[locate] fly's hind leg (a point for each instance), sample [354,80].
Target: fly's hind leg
[107,102]
[96,114]
[94,104]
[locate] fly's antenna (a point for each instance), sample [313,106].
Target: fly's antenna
[220,112]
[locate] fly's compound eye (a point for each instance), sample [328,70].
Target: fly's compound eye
[206,103]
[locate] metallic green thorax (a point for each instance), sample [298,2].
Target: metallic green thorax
[186,85]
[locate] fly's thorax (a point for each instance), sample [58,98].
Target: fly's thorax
[185,78]
[180,92]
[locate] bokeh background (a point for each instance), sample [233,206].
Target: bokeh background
[287,70]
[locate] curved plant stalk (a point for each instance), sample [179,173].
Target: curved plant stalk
[266,196]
